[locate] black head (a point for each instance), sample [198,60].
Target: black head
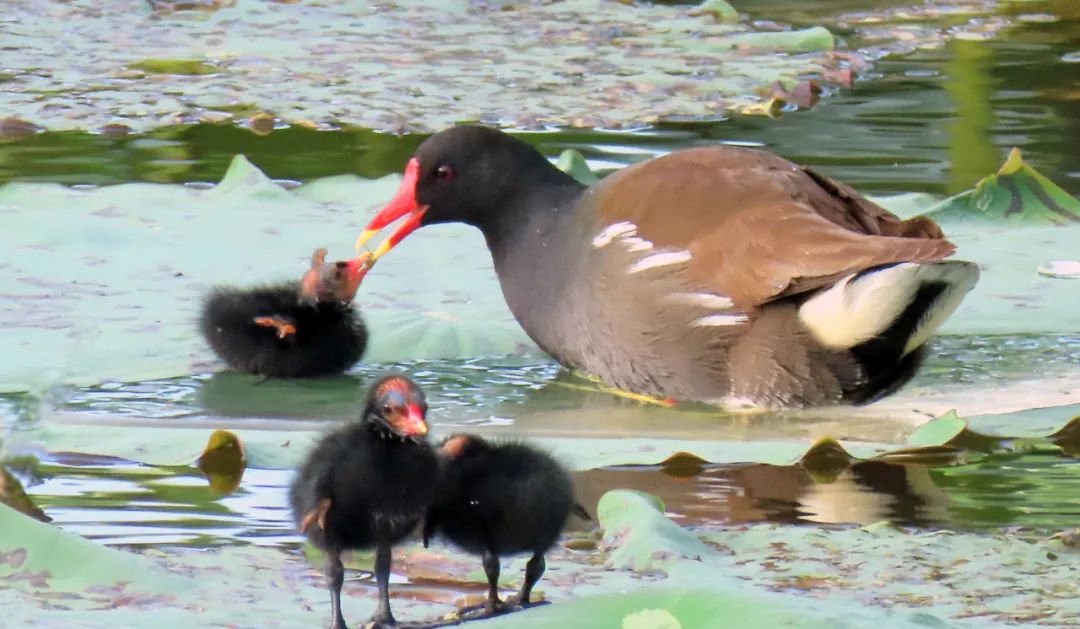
[395,406]
[468,174]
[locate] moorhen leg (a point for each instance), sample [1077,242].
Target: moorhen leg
[382,618]
[335,576]
[491,568]
[533,571]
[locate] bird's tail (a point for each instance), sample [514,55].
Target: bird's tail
[898,305]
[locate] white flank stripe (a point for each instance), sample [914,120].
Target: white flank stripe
[704,300]
[720,320]
[658,260]
[609,233]
[634,243]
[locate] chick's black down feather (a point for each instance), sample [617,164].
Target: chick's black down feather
[378,487]
[502,497]
[329,337]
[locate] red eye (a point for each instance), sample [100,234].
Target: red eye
[444,172]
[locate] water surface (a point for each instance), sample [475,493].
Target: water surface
[931,121]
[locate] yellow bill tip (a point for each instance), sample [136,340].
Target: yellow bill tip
[381,250]
[365,236]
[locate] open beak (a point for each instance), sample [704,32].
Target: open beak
[413,424]
[355,271]
[335,282]
[404,203]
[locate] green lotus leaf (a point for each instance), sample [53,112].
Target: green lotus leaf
[189,67]
[938,431]
[720,9]
[39,556]
[1016,194]
[812,39]
[573,163]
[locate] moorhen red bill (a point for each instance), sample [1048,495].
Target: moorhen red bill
[721,274]
[367,485]
[290,329]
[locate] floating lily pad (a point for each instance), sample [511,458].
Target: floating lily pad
[647,568]
[720,9]
[189,67]
[698,583]
[392,70]
[812,39]
[940,441]
[107,283]
[409,68]
[35,556]
[1017,193]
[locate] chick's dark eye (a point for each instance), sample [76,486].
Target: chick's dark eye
[444,173]
[387,409]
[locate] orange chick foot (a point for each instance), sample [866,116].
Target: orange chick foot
[283,326]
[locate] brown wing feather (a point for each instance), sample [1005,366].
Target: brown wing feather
[760,227]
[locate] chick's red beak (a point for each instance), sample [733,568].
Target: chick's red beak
[355,271]
[404,203]
[413,423]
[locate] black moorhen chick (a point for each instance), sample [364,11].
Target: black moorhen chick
[368,484]
[293,329]
[498,499]
[715,273]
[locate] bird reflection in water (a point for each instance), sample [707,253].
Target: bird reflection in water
[695,492]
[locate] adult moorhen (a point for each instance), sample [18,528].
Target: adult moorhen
[292,329]
[721,273]
[498,499]
[368,484]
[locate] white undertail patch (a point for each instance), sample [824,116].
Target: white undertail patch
[856,309]
[963,277]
